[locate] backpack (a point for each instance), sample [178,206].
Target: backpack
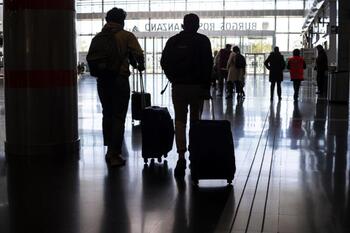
[103,57]
[223,58]
[240,61]
[179,59]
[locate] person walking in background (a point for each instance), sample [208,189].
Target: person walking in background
[236,65]
[187,62]
[321,68]
[215,71]
[275,64]
[296,66]
[221,61]
[113,87]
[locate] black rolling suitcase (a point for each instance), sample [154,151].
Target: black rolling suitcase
[139,100]
[157,129]
[211,150]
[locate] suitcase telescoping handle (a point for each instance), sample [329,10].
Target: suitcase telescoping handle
[143,98]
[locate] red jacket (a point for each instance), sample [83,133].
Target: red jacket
[296,66]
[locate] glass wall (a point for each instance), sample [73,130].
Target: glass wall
[254,25]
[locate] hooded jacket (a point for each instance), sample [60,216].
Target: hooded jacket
[129,48]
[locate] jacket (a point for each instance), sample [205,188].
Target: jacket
[201,69]
[128,46]
[321,62]
[234,73]
[296,66]
[275,64]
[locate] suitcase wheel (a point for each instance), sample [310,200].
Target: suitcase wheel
[159,159]
[145,160]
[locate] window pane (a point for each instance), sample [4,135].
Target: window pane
[282,42]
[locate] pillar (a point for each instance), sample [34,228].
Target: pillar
[332,54]
[40,77]
[344,35]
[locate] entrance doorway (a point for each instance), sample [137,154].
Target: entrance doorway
[255,63]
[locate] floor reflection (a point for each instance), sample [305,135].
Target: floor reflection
[294,154]
[43,196]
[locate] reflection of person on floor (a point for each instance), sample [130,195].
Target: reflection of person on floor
[320,123]
[238,129]
[275,124]
[296,131]
[115,214]
[194,213]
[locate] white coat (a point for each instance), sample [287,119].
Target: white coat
[234,74]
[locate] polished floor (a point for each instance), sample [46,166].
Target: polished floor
[293,173]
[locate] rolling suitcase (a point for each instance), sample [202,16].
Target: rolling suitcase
[139,100]
[157,129]
[211,150]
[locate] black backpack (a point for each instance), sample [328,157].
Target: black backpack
[179,60]
[240,61]
[103,56]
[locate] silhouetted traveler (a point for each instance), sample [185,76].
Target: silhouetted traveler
[215,71]
[275,64]
[321,68]
[221,62]
[296,66]
[113,87]
[236,66]
[187,62]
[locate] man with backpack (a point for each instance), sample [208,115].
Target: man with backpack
[187,62]
[222,58]
[236,66]
[110,53]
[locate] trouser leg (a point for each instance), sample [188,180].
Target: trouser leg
[272,89]
[114,96]
[279,90]
[230,87]
[296,86]
[120,103]
[320,82]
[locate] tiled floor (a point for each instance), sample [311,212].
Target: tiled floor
[292,175]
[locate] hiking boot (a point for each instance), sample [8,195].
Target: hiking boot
[180,168]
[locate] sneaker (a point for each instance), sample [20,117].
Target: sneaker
[117,160]
[180,168]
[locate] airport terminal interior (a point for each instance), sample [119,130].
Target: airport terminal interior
[292,159]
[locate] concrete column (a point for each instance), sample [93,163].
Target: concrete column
[332,55]
[344,35]
[40,77]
